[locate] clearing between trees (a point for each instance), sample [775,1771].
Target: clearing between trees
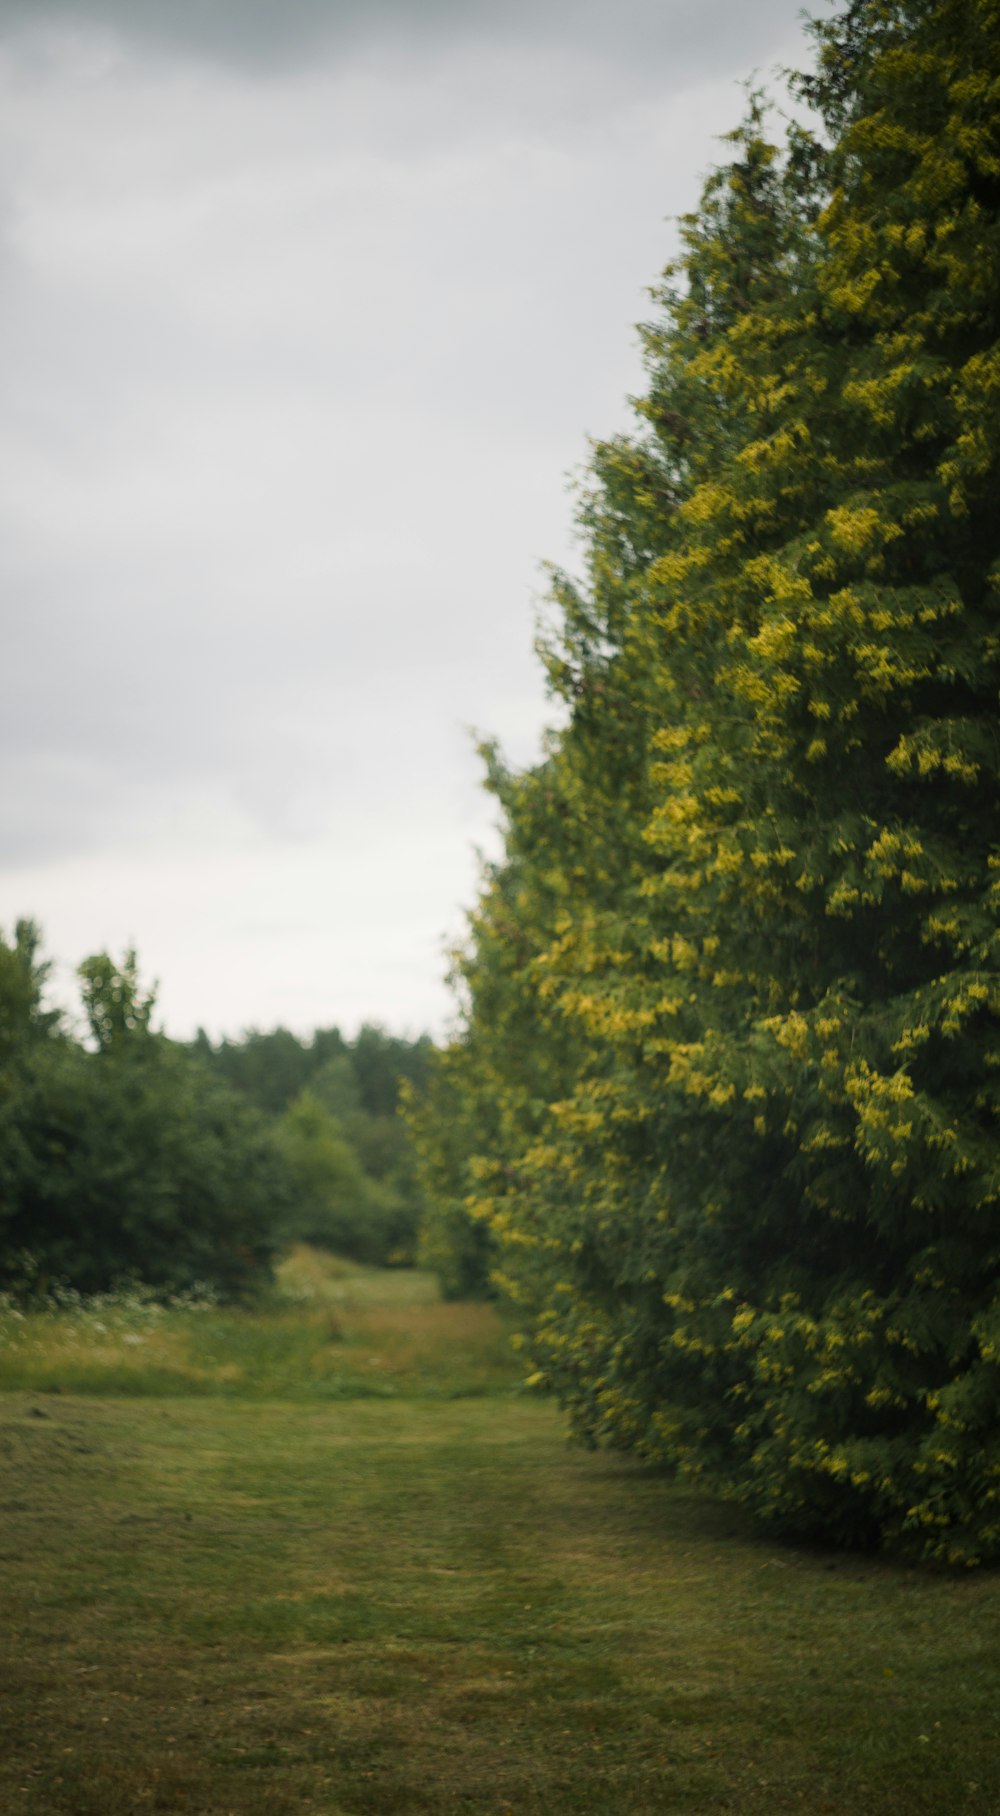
[329,1555]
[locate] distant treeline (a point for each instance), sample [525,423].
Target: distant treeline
[334,1106]
[126,1155]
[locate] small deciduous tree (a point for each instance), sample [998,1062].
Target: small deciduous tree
[130,1159]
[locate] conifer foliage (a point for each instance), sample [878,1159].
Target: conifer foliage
[725,1096]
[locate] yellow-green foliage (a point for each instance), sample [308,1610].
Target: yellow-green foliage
[737,983]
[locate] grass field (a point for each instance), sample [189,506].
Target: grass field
[328,1557]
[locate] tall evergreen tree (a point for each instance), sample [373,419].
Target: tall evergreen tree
[755,1217]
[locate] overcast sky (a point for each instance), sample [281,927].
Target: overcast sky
[308,309]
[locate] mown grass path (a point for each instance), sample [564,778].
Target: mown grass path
[241,1606]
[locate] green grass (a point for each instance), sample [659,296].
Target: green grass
[229,1604]
[333,1330]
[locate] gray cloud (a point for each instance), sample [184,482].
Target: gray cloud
[692,41]
[295,353]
